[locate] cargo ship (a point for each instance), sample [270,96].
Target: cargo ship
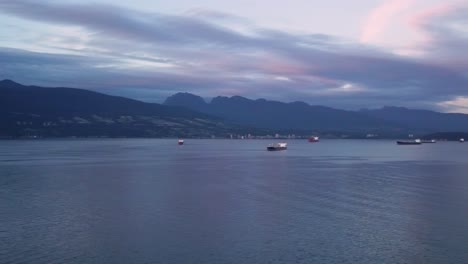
[277,146]
[409,142]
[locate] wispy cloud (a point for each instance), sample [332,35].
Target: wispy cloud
[457,105]
[445,31]
[380,18]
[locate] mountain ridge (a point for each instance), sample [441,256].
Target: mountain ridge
[65,111]
[387,118]
[385,107]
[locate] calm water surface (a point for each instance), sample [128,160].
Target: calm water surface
[230,201]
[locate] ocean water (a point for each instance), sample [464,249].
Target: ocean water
[231,201]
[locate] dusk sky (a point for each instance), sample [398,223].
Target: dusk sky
[344,54]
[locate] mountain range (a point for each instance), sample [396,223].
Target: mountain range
[30,111]
[27,111]
[299,115]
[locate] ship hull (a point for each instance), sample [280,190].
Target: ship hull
[276,148]
[408,143]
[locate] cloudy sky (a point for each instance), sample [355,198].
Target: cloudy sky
[345,54]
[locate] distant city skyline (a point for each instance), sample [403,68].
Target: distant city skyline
[357,54]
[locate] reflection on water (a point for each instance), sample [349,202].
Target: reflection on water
[231,201]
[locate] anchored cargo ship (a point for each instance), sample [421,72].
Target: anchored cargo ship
[277,146]
[409,142]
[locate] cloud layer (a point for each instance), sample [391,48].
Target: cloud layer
[151,55]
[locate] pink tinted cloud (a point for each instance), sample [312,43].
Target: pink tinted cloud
[436,16]
[379,19]
[424,18]
[427,15]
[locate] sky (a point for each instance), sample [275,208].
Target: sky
[344,54]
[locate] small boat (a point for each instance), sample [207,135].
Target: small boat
[409,142]
[462,140]
[313,139]
[426,141]
[277,146]
[180,142]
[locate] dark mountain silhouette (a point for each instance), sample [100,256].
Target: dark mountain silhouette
[189,101]
[38,111]
[69,101]
[278,115]
[299,115]
[60,112]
